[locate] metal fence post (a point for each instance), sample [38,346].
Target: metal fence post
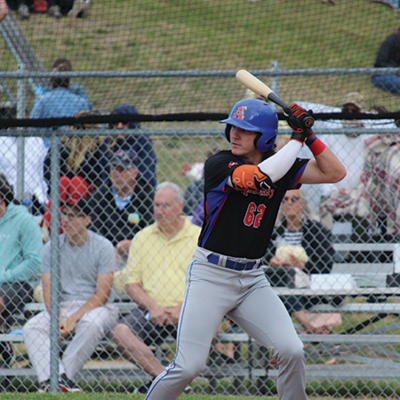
[54,262]
[21,107]
[396,258]
[275,82]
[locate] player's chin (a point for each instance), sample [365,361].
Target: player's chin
[236,150]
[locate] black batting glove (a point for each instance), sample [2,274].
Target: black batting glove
[296,119]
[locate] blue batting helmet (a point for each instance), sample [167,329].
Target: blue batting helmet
[255,116]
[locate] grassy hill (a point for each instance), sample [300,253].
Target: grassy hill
[214,35]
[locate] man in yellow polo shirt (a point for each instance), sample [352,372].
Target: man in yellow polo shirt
[155,279]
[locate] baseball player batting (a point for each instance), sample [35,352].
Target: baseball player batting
[243,190]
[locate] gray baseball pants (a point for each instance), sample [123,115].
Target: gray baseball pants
[88,332]
[245,297]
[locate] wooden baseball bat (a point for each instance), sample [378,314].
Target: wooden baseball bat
[254,84]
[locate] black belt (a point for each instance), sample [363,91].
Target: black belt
[235,265]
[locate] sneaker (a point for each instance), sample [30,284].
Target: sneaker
[144,388]
[188,390]
[44,387]
[80,9]
[54,11]
[23,11]
[85,12]
[7,353]
[67,386]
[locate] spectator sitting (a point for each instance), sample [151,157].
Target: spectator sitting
[140,144]
[81,166]
[35,186]
[72,87]
[20,257]
[3,9]
[376,199]
[87,263]
[59,101]
[349,148]
[68,187]
[388,57]
[155,279]
[80,156]
[308,247]
[124,207]
[352,201]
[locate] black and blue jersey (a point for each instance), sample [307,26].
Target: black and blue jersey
[239,223]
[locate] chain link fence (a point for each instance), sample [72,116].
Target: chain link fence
[88,241]
[341,295]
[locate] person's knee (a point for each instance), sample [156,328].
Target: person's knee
[292,353]
[121,332]
[192,370]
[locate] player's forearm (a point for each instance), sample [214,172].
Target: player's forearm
[280,163]
[330,166]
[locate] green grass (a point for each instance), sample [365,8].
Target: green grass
[208,34]
[113,396]
[213,35]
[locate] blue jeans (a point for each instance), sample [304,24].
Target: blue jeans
[390,83]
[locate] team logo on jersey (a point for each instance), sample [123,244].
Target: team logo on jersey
[239,114]
[232,164]
[265,192]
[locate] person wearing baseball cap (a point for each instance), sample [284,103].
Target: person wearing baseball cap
[123,207]
[353,103]
[243,189]
[78,203]
[142,145]
[87,265]
[124,159]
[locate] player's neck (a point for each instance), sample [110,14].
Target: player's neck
[253,158]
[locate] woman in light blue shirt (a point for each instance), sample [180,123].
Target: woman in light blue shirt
[59,101]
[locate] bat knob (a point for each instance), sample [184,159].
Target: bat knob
[308,122]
